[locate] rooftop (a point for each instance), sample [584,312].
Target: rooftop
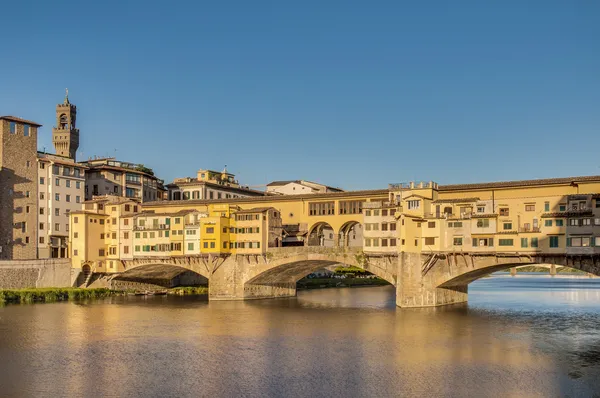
[19,120]
[254,210]
[521,183]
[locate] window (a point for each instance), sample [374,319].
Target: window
[505,242]
[587,221]
[414,204]
[321,208]
[41,180]
[57,182]
[530,207]
[367,242]
[42,242]
[480,209]
[392,226]
[562,207]
[75,235]
[393,242]
[68,198]
[350,207]
[210,230]
[57,227]
[384,226]
[26,130]
[546,206]
[483,223]
[190,246]
[368,213]
[558,223]
[125,249]
[177,220]
[206,245]
[126,221]
[524,242]
[431,224]
[41,211]
[597,241]
[212,245]
[41,225]
[554,241]
[42,195]
[101,252]
[534,242]
[166,234]
[504,211]
[57,212]
[57,197]
[507,225]
[68,183]
[137,248]
[384,242]
[75,220]
[376,212]
[458,241]
[13,128]
[114,221]
[125,235]
[574,222]
[548,223]
[429,241]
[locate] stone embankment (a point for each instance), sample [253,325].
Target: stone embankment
[22,274]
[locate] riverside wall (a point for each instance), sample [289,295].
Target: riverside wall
[21,274]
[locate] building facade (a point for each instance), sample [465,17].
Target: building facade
[109,176]
[18,188]
[61,184]
[209,185]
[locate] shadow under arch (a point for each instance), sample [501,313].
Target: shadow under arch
[165,275]
[471,276]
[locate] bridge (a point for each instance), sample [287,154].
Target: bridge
[421,279]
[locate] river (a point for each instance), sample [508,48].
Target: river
[529,336]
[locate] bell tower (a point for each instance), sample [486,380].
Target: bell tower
[65,136]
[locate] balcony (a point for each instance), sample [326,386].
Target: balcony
[153,227]
[529,229]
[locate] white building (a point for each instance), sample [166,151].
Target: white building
[61,190]
[299,187]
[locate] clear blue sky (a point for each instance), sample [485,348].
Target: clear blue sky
[355,94]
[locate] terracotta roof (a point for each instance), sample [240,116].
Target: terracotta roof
[522,183]
[255,210]
[149,213]
[196,182]
[570,213]
[19,120]
[277,198]
[490,215]
[464,200]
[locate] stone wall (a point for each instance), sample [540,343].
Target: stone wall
[20,274]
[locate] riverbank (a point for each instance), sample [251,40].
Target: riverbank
[49,295]
[321,283]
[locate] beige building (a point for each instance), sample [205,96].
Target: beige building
[299,187]
[61,184]
[18,188]
[209,185]
[108,176]
[380,232]
[256,230]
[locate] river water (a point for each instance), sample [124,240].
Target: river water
[529,336]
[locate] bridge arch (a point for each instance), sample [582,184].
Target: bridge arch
[278,278]
[161,275]
[350,234]
[321,234]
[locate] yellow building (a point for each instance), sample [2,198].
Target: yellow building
[256,230]
[96,234]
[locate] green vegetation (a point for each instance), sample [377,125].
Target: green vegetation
[144,169]
[315,283]
[188,290]
[53,294]
[351,270]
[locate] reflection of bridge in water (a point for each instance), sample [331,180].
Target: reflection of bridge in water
[421,279]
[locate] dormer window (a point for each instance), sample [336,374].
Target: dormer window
[414,204]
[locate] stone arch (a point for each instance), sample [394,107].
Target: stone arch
[278,278]
[321,234]
[164,275]
[351,234]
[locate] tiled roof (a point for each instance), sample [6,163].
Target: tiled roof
[19,120]
[570,213]
[153,214]
[277,198]
[522,183]
[463,200]
[239,189]
[254,210]
[481,215]
[280,183]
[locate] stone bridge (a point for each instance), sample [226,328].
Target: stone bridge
[421,279]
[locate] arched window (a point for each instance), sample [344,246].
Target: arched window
[64,121]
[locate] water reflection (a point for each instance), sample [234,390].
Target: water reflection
[516,337]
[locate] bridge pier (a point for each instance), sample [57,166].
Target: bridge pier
[414,289]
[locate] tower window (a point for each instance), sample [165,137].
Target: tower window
[26,130]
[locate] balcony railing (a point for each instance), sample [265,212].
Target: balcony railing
[529,229]
[150,227]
